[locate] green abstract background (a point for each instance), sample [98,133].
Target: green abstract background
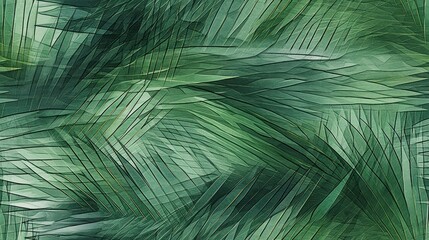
[214,119]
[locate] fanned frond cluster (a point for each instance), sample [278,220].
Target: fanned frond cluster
[222,119]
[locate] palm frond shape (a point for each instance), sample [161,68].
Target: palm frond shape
[223,119]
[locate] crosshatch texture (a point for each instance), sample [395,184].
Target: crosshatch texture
[214,119]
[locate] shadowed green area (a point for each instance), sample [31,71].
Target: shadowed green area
[222,119]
